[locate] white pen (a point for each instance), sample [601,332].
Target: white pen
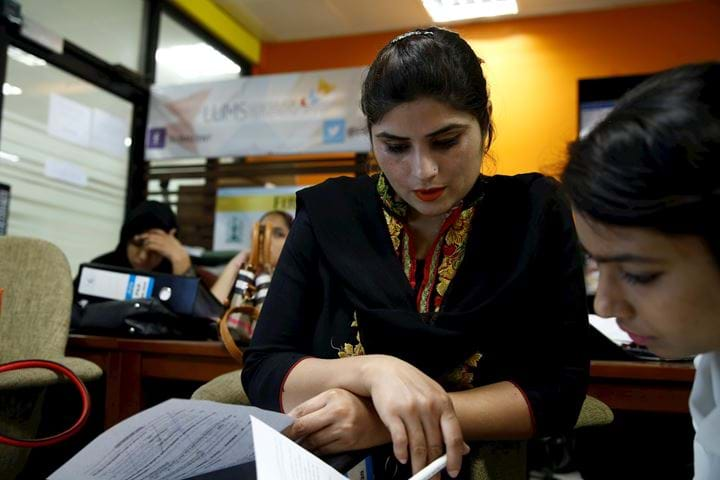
[434,467]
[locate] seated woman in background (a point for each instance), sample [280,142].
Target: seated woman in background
[148,242]
[242,326]
[280,223]
[430,304]
[645,189]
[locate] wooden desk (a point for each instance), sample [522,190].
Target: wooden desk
[642,386]
[633,386]
[126,362]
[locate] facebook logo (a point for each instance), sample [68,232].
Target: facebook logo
[334,130]
[156,138]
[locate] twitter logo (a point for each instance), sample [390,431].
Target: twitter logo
[334,130]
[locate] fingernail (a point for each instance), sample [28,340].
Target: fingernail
[453,473]
[466,450]
[402,460]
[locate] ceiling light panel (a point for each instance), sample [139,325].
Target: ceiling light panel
[195,61]
[458,10]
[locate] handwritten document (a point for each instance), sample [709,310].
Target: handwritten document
[175,440]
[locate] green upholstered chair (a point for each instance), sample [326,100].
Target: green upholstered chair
[227,388]
[34,324]
[490,460]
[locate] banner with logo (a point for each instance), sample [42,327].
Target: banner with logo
[308,112]
[238,208]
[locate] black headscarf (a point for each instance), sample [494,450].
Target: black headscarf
[146,216]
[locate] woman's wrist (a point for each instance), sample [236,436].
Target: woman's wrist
[369,372]
[181,262]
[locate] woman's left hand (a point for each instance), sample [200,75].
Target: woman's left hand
[337,421]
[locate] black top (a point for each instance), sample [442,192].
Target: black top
[518,297]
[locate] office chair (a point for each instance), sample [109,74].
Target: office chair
[227,388]
[557,453]
[34,324]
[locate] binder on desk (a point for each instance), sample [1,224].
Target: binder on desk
[183,295]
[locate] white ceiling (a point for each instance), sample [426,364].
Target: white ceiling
[286,20]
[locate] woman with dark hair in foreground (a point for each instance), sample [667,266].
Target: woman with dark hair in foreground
[429,305]
[645,189]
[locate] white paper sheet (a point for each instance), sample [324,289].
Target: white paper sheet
[66,172]
[279,458]
[609,328]
[108,133]
[174,440]
[69,120]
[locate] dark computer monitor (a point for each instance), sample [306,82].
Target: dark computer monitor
[597,97]
[4,207]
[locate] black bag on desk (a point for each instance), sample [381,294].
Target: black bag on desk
[142,317]
[118,301]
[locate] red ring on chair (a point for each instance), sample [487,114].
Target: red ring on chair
[57,368]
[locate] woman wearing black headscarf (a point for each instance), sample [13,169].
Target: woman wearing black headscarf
[148,242]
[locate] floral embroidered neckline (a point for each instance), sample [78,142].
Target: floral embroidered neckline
[446,253]
[440,266]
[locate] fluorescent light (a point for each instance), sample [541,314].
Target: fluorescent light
[9,156]
[9,89]
[454,10]
[196,60]
[25,58]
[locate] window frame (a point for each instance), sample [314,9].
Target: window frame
[116,79]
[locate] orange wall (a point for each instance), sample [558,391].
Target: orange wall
[533,65]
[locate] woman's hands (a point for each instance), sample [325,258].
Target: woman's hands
[337,421]
[168,246]
[370,400]
[417,411]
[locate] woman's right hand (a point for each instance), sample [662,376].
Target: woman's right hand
[417,411]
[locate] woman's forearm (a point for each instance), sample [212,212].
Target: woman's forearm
[312,376]
[493,412]
[223,285]
[498,411]
[225,282]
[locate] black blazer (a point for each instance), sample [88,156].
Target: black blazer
[518,298]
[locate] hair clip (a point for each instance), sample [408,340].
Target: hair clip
[410,34]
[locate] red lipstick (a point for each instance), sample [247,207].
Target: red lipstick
[430,194]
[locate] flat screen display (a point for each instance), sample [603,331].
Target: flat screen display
[4,207]
[598,96]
